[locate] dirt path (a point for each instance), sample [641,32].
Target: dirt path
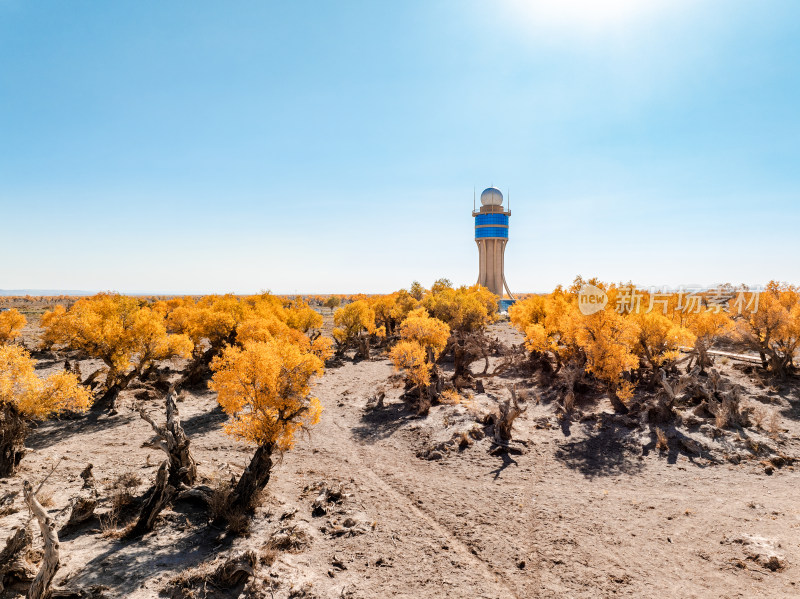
[421,532]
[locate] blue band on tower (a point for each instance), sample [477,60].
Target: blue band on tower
[491,219]
[491,232]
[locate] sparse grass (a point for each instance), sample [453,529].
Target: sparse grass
[722,416]
[267,555]
[291,539]
[45,497]
[220,498]
[754,446]
[109,524]
[238,522]
[450,397]
[122,492]
[126,482]
[758,415]
[774,424]
[463,440]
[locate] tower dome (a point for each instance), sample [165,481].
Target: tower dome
[491,196]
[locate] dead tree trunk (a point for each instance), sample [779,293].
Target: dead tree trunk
[13,430]
[198,368]
[663,410]
[85,503]
[13,566]
[40,587]
[161,495]
[504,421]
[175,443]
[618,405]
[254,478]
[363,346]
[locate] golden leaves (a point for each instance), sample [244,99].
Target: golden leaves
[116,329]
[430,333]
[353,319]
[464,309]
[265,387]
[11,325]
[411,357]
[35,397]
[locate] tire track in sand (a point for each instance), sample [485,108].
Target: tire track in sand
[354,451]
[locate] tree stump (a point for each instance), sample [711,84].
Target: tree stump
[504,422]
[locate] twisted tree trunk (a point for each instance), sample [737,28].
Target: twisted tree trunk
[178,470]
[198,368]
[40,587]
[13,430]
[174,442]
[504,421]
[13,565]
[161,495]
[254,478]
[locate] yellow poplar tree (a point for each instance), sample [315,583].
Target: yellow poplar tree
[353,324]
[659,339]
[127,337]
[265,387]
[422,341]
[465,309]
[25,397]
[774,329]
[412,359]
[11,325]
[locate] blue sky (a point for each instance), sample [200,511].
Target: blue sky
[195,147]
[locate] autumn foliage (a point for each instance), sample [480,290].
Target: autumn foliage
[642,332]
[774,330]
[265,388]
[24,396]
[354,324]
[127,336]
[422,340]
[11,325]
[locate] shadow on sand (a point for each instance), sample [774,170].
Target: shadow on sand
[381,422]
[605,452]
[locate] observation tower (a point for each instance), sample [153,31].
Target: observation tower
[491,235]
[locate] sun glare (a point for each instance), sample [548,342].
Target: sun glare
[584,14]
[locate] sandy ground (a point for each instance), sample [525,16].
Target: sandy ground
[584,510]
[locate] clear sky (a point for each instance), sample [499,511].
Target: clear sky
[311,146]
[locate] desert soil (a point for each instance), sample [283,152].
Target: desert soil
[583,509]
